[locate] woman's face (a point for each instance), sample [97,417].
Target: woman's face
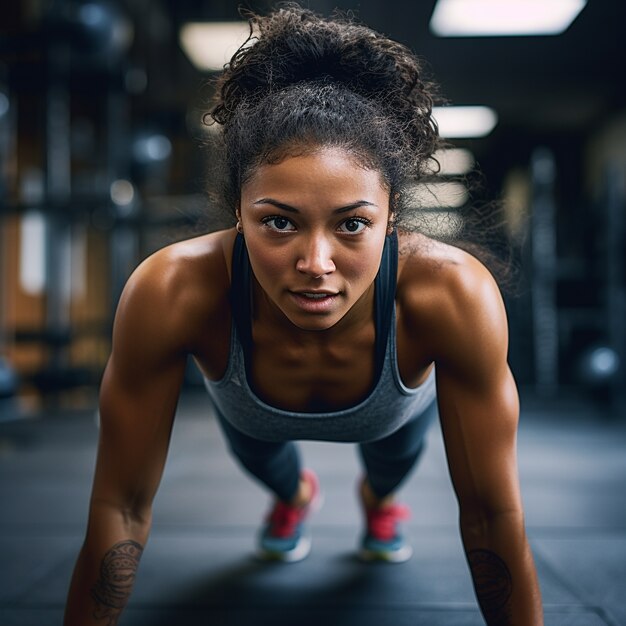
[315,228]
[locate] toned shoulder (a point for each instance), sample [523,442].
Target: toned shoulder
[180,284]
[448,296]
[182,264]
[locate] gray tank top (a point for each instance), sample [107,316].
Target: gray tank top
[389,405]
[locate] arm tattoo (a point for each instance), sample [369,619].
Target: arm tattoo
[493,585]
[117,576]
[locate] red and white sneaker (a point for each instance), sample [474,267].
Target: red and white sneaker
[284,536]
[382,540]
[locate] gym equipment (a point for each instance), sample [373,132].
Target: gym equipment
[8,390]
[544,269]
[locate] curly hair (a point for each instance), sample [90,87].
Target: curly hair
[303,81]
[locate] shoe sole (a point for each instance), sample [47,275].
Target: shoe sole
[300,552]
[391,556]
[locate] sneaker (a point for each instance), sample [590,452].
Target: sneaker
[382,540]
[284,536]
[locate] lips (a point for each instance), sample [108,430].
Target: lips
[314,301]
[315,295]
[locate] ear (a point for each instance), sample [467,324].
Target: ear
[238,225]
[393,205]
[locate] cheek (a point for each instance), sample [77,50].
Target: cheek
[366,262]
[268,263]
[360,268]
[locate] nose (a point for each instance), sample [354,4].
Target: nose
[315,258]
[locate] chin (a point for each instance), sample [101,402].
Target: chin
[318,326]
[313,324]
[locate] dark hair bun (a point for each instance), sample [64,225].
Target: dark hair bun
[294,45]
[304,81]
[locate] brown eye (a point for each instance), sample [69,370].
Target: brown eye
[281,223]
[278,223]
[354,225]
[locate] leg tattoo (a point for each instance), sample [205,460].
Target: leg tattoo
[493,584]
[117,576]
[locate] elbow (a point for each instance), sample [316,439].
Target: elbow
[140,516]
[474,524]
[478,523]
[135,519]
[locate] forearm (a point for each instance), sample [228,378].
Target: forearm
[106,568]
[503,570]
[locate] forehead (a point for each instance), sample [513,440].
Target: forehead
[327,170]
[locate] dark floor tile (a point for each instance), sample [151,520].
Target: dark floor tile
[306,616]
[314,616]
[593,567]
[197,567]
[31,616]
[187,569]
[215,568]
[31,564]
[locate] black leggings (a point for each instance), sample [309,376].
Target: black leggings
[387,461]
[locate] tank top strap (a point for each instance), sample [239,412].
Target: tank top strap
[385,295]
[240,296]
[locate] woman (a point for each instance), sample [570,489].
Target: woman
[317,317]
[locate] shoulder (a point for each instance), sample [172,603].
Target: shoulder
[177,287]
[451,301]
[180,265]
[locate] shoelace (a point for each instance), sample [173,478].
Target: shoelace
[381,522]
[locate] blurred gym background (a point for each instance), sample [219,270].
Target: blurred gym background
[101,163]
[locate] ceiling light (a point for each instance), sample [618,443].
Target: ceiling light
[210,45]
[458,122]
[122,192]
[452,162]
[490,18]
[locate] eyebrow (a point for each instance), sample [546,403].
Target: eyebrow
[291,209]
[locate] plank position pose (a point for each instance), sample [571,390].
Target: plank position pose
[319,316]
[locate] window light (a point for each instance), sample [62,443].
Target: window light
[32,262]
[210,45]
[458,122]
[437,195]
[439,223]
[442,224]
[492,18]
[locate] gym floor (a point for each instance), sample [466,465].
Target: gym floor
[198,567]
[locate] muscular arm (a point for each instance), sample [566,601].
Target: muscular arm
[138,399]
[479,410]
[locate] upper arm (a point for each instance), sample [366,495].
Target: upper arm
[139,392]
[477,395]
